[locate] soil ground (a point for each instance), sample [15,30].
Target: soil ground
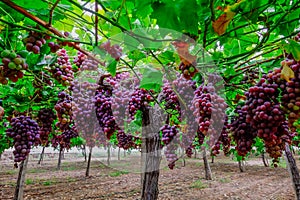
[188,183]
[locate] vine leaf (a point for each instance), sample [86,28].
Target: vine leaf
[287,73]
[152,79]
[220,25]
[112,68]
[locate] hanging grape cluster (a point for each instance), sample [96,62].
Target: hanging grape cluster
[64,110]
[13,64]
[209,110]
[89,64]
[35,41]
[63,141]
[223,140]
[25,134]
[103,108]
[62,69]
[79,60]
[114,50]
[45,119]
[140,98]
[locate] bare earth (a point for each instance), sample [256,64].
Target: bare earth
[188,183]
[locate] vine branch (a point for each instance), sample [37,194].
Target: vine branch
[50,28]
[51,12]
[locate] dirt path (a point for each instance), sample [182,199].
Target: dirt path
[186,183]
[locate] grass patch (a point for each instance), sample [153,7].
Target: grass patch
[198,184]
[48,182]
[117,173]
[29,181]
[34,171]
[224,180]
[71,168]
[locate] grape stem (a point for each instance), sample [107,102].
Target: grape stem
[51,12]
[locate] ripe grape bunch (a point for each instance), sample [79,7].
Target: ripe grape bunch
[168,133]
[224,139]
[84,112]
[242,132]
[64,140]
[45,119]
[103,108]
[140,99]
[64,109]
[35,41]
[89,64]
[25,134]
[126,141]
[209,110]
[114,50]
[12,66]
[79,59]
[170,100]
[62,70]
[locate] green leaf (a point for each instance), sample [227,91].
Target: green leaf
[112,68]
[152,79]
[292,47]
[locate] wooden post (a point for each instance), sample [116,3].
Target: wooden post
[108,154]
[87,172]
[265,160]
[242,166]
[41,155]
[59,159]
[293,169]
[119,151]
[208,175]
[19,191]
[151,157]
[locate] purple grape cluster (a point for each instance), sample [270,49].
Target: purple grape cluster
[114,50]
[243,133]
[103,109]
[170,153]
[224,139]
[35,41]
[62,69]
[64,140]
[139,98]
[45,118]
[89,64]
[170,100]
[168,133]
[126,141]
[64,110]
[25,134]
[78,61]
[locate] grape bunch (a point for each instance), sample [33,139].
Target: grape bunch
[291,94]
[54,47]
[78,61]
[170,100]
[25,134]
[64,140]
[224,139]
[140,98]
[126,141]
[45,118]
[188,70]
[89,64]
[185,92]
[64,110]
[103,109]
[114,50]
[209,109]
[121,96]
[13,64]
[243,133]
[62,70]
[35,41]
[84,112]
[170,153]
[168,133]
